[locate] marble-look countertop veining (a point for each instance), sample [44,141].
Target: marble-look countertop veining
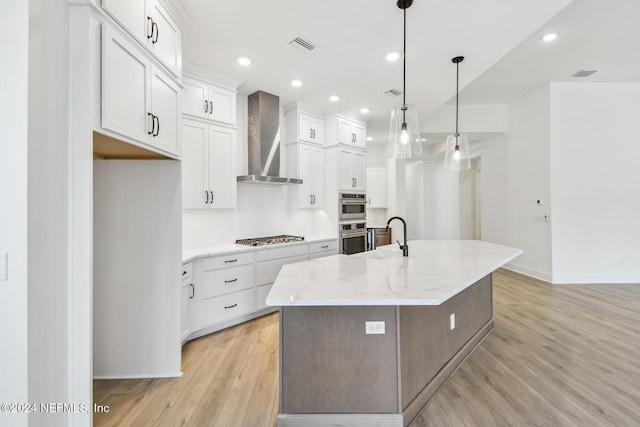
[434,271]
[190,254]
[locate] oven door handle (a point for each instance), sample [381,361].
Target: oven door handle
[349,234]
[353,202]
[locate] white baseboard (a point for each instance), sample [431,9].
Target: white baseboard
[568,279]
[545,277]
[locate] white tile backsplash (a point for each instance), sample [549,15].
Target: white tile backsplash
[262,210]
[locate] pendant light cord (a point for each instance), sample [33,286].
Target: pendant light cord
[457,78]
[404,69]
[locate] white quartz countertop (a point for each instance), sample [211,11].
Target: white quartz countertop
[189,255]
[434,271]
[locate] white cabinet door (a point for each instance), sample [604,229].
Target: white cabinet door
[360,135]
[317,173]
[345,134]
[125,87]
[305,198]
[194,164]
[165,106]
[185,297]
[165,39]
[208,166]
[351,169]
[207,101]
[130,14]
[222,160]
[195,96]
[377,187]
[222,105]
[345,179]
[358,165]
[310,129]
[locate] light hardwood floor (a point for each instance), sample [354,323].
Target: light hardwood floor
[564,355]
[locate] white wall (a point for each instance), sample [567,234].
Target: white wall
[136,307]
[595,182]
[14,47]
[414,184]
[515,173]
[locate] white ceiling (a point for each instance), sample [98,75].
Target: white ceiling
[500,40]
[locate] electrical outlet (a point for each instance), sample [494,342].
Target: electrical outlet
[452,321]
[374,328]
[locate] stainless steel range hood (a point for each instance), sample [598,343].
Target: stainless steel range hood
[264,141]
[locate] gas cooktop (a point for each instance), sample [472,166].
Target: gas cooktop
[270,240]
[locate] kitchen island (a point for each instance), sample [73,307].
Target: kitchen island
[367,339]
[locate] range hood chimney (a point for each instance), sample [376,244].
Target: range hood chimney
[264,141]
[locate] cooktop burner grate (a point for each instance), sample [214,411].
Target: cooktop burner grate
[270,240]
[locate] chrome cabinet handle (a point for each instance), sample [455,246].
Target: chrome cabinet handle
[207,193]
[156,119]
[193,291]
[211,109]
[155,25]
[206,106]
[231,281]
[324,247]
[310,199]
[230,306]
[226,261]
[211,196]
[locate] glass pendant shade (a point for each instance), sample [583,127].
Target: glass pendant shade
[456,156]
[404,133]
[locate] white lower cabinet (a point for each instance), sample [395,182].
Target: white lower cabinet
[219,309]
[228,289]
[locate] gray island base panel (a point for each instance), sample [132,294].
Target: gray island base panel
[332,373]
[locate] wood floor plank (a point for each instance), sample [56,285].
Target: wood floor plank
[564,355]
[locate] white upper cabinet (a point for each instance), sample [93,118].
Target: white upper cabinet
[351,169]
[304,124]
[139,101]
[377,187]
[307,162]
[310,129]
[351,133]
[208,166]
[208,101]
[152,26]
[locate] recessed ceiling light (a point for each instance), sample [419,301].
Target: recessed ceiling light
[296,83]
[369,138]
[365,110]
[243,60]
[392,56]
[549,37]
[423,139]
[334,98]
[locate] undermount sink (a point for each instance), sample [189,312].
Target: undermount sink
[378,254]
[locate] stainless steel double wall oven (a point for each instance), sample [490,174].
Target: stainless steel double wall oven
[352,223]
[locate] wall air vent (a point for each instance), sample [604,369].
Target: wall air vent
[302,44]
[393,93]
[583,73]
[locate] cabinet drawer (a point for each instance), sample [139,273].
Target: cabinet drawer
[216,310]
[266,272]
[323,254]
[232,260]
[284,252]
[187,269]
[261,296]
[323,246]
[227,280]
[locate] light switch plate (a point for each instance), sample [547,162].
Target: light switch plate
[4,266]
[374,328]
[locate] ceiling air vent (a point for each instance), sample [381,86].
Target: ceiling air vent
[583,73]
[393,92]
[302,44]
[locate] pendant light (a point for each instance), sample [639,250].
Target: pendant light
[456,156]
[404,132]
